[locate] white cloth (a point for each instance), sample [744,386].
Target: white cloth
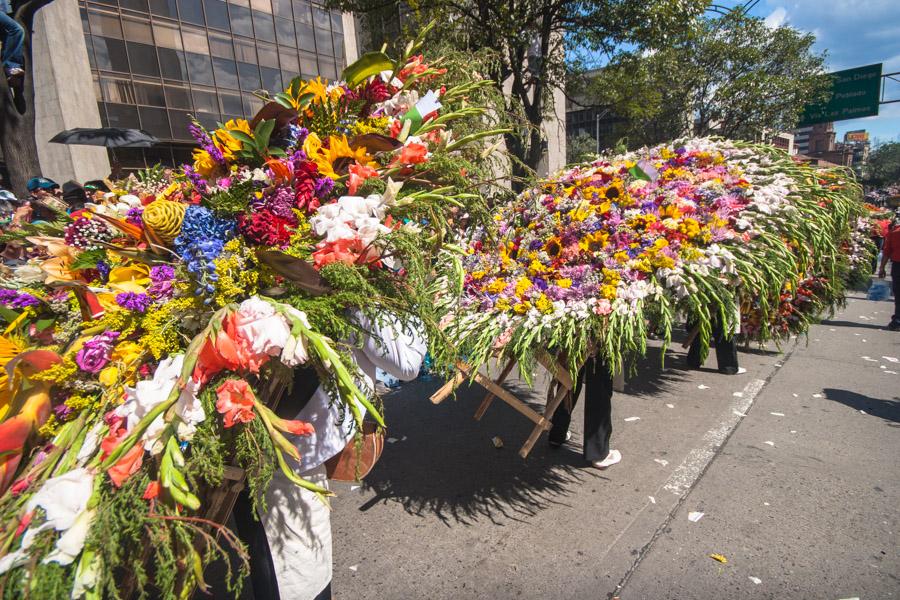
[298,527]
[297,524]
[389,348]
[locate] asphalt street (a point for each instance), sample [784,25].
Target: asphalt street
[794,465]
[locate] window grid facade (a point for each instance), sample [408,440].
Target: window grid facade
[157,62]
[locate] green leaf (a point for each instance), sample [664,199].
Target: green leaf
[88,259]
[304,100]
[263,133]
[44,324]
[638,173]
[243,138]
[368,64]
[8,315]
[284,100]
[276,151]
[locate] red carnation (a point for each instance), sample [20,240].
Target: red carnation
[266,229]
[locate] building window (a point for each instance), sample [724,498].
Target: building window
[156,62]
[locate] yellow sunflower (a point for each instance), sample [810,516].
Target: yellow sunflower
[338,148]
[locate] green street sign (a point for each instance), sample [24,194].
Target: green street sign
[854,94]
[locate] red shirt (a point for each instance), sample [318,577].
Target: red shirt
[892,244]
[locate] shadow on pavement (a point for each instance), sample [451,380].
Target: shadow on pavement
[881,327]
[449,467]
[889,410]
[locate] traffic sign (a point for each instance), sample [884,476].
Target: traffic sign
[854,94]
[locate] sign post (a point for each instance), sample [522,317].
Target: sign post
[855,93]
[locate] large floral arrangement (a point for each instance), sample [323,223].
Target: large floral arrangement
[695,229]
[146,336]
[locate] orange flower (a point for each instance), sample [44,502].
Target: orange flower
[127,466]
[235,401]
[151,491]
[228,351]
[412,154]
[346,251]
[358,174]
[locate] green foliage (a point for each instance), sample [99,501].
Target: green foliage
[525,45]
[580,148]
[732,76]
[255,454]
[883,168]
[88,259]
[233,199]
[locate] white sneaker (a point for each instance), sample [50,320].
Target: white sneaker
[612,458]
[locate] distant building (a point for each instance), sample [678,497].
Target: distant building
[857,142]
[818,142]
[151,64]
[785,141]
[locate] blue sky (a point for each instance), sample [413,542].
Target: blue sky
[853,33]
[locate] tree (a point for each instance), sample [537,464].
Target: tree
[534,43]
[731,76]
[883,167]
[580,148]
[17,125]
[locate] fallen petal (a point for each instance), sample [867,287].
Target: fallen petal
[693,517]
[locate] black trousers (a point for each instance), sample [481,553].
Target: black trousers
[895,286]
[726,350]
[598,390]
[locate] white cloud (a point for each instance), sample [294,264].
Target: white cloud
[776,18]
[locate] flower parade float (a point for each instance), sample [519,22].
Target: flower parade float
[590,261]
[145,341]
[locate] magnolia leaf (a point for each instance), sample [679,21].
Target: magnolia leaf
[370,63]
[375,142]
[284,100]
[283,115]
[300,272]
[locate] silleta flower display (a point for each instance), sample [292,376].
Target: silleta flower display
[591,258]
[147,334]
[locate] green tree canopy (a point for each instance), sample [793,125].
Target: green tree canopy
[731,76]
[530,41]
[883,168]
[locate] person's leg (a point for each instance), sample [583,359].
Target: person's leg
[562,418]
[694,358]
[298,528]
[13,39]
[252,533]
[598,391]
[895,286]
[726,350]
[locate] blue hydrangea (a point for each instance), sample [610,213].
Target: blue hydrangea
[202,237]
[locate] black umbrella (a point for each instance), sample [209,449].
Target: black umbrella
[109,137]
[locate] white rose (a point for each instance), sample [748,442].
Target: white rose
[257,321]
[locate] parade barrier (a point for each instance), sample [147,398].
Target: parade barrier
[140,342]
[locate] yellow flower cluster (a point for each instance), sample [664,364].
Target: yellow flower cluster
[161,326]
[369,125]
[238,275]
[60,372]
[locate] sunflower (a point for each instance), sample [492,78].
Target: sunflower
[338,155]
[226,142]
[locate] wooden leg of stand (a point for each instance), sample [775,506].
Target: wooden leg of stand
[539,429]
[445,390]
[482,408]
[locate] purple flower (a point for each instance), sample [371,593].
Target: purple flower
[133,301]
[135,215]
[95,353]
[162,279]
[15,299]
[195,178]
[323,187]
[62,411]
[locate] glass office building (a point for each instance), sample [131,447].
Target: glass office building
[156,62]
